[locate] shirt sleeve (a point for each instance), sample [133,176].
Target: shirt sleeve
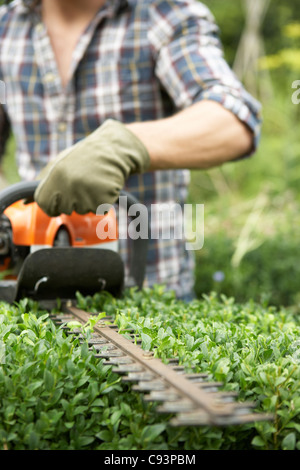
[3,26]
[190,64]
[5,127]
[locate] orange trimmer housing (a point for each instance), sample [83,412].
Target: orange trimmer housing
[32,227]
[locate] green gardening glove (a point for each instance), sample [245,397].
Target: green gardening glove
[91,172]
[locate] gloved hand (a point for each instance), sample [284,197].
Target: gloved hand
[91,172]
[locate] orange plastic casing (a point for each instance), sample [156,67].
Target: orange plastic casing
[32,227]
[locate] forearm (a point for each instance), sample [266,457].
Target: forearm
[202,136]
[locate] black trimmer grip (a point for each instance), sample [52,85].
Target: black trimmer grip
[16,192]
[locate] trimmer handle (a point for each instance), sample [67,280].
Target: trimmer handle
[16,192]
[26,190]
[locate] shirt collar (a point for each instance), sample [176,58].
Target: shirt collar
[34,5]
[29,4]
[115,6]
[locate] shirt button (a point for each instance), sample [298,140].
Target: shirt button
[39,27]
[49,77]
[62,127]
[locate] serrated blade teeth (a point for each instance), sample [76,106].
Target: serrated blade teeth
[124,368]
[114,361]
[139,376]
[109,354]
[192,397]
[162,395]
[176,406]
[150,386]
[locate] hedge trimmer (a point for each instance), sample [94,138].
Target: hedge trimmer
[47,258]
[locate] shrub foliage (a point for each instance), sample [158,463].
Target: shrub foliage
[56,395]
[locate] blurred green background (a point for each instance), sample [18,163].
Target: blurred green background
[252,219]
[251,248]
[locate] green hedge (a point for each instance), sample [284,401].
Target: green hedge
[56,395]
[269,273]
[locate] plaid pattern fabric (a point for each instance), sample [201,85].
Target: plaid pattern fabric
[136,61]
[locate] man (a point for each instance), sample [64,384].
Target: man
[142,90]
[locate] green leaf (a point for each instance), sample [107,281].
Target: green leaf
[267,354]
[258,442]
[33,440]
[80,410]
[279,381]
[146,341]
[150,433]
[98,403]
[115,416]
[78,398]
[28,341]
[105,436]
[69,424]
[126,410]
[294,426]
[82,381]
[56,396]
[74,324]
[48,380]
[54,416]
[189,341]
[83,441]
[289,442]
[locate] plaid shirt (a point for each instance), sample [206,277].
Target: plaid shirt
[137,60]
